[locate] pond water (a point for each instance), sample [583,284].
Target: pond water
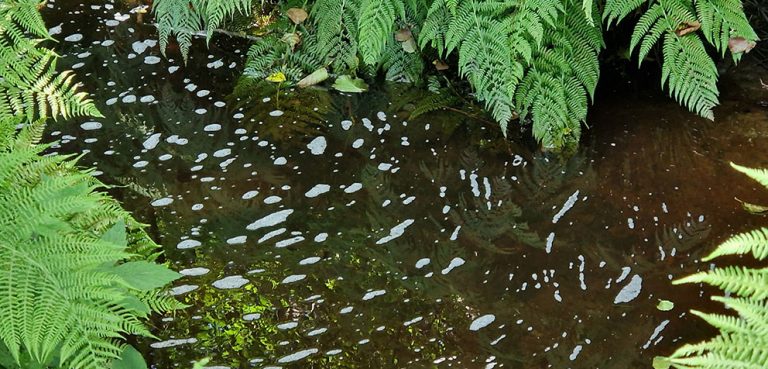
[330,231]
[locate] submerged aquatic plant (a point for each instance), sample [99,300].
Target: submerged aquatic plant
[742,339]
[534,59]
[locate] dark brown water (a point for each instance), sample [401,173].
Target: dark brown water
[330,231]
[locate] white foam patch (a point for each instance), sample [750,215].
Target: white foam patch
[317,146]
[395,232]
[91,126]
[188,244]
[296,356]
[293,278]
[172,343]
[373,294]
[455,263]
[185,288]
[567,206]
[231,282]
[194,272]
[288,242]
[239,240]
[630,291]
[165,201]
[151,142]
[317,190]
[250,194]
[270,220]
[482,322]
[353,187]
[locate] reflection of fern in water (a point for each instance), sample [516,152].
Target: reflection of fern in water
[489,225]
[683,237]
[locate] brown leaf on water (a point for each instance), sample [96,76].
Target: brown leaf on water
[740,45]
[688,27]
[403,35]
[297,15]
[440,65]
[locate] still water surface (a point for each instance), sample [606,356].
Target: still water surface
[331,231]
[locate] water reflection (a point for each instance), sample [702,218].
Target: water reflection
[332,231]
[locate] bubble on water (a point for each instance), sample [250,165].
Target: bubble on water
[128,99]
[358,143]
[151,59]
[165,201]
[276,113]
[173,343]
[111,101]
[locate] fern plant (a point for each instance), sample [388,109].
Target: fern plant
[70,285]
[76,274]
[742,340]
[29,84]
[535,60]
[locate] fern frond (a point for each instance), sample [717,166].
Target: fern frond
[376,26]
[690,73]
[722,20]
[759,175]
[742,281]
[754,242]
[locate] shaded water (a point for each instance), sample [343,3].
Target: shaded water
[331,231]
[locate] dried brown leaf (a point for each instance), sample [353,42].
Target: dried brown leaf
[740,45]
[403,35]
[297,15]
[440,65]
[688,27]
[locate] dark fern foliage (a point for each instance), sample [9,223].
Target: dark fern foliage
[534,60]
